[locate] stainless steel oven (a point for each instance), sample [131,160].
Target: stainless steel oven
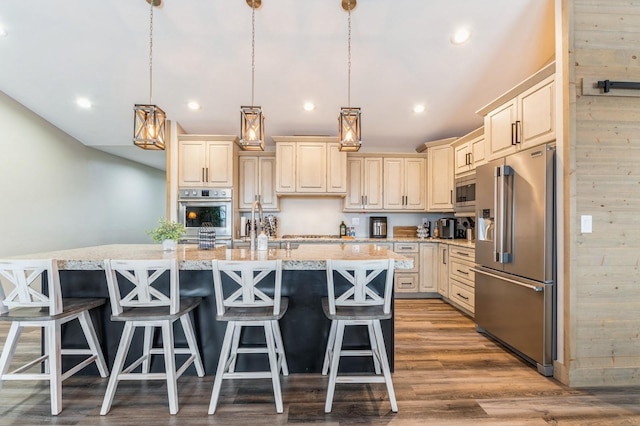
[465,195]
[199,205]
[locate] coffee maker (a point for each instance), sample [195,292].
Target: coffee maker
[378,227]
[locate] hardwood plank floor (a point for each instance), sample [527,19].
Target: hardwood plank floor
[446,374]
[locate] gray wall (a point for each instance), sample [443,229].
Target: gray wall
[56,193]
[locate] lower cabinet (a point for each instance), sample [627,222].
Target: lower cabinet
[462,278]
[407,280]
[443,270]
[422,280]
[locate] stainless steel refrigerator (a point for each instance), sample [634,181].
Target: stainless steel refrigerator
[515,254]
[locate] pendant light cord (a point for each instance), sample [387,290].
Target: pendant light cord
[151,52]
[253,46]
[349,58]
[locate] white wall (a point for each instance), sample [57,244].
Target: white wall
[56,193]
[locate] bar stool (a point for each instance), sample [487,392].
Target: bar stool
[26,306]
[360,305]
[147,307]
[246,305]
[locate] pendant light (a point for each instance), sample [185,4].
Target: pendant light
[251,117]
[149,120]
[349,120]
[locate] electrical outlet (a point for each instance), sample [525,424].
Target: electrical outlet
[425,220]
[586,224]
[355,221]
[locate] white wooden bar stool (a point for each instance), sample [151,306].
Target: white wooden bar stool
[146,307]
[245,302]
[360,305]
[26,305]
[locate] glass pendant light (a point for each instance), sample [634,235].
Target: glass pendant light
[349,120]
[251,117]
[149,122]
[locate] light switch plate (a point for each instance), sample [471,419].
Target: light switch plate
[355,221]
[586,224]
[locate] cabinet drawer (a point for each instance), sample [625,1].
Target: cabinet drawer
[461,270]
[463,253]
[405,247]
[461,295]
[406,283]
[416,262]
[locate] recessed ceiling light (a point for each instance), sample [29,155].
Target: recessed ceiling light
[460,36]
[193,105]
[3,32]
[419,108]
[83,103]
[308,106]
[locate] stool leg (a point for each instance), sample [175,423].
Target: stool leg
[118,364]
[147,345]
[234,348]
[273,363]
[54,349]
[170,366]
[224,356]
[335,361]
[9,348]
[282,357]
[193,346]
[92,340]
[373,343]
[330,342]
[384,361]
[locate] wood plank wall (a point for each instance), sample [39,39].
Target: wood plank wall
[602,341]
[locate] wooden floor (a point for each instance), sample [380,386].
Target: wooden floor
[446,374]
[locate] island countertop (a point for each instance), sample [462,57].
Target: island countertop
[305,257]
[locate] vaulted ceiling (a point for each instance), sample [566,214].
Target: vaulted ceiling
[402,55]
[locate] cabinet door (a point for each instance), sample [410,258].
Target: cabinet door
[355,184]
[267,182]
[191,155]
[311,166]
[461,159]
[286,167]
[220,163]
[478,154]
[443,270]
[393,183]
[440,183]
[498,129]
[537,113]
[428,267]
[248,181]
[372,183]
[415,184]
[336,169]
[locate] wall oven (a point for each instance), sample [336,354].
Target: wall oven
[466,195]
[199,205]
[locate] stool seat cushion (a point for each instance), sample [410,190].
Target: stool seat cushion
[71,306]
[156,313]
[347,313]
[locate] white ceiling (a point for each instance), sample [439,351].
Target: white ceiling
[55,51]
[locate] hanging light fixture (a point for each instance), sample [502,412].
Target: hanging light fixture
[149,120]
[349,120]
[251,117]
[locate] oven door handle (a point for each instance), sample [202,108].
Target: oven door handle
[217,201]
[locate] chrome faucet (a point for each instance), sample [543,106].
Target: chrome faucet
[252,232]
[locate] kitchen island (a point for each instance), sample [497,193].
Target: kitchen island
[304,326]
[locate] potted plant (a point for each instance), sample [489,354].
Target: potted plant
[168,233]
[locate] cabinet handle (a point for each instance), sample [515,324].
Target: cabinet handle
[203,179]
[461,296]
[513,133]
[462,272]
[462,254]
[366,200]
[409,285]
[518,132]
[451,196]
[444,256]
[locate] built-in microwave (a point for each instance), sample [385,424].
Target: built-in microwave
[465,194]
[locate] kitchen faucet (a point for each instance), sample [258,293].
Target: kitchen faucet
[252,225]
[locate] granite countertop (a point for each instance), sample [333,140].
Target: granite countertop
[461,242]
[310,257]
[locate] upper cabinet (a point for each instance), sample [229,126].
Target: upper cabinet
[364,183]
[523,117]
[310,165]
[257,180]
[440,182]
[205,161]
[469,152]
[405,181]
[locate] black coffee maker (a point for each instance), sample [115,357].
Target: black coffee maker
[378,227]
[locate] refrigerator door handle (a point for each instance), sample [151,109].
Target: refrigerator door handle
[506,223]
[532,287]
[496,196]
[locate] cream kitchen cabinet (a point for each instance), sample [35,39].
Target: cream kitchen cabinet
[257,179]
[423,278]
[524,117]
[443,270]
[206,161]
[408,280]
[310,165]
[405,183]
[469,152]
[364,183]
[462,278]
[440,182]
[428,268]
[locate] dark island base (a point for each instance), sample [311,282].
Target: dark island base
[304,327]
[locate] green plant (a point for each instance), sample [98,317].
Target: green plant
[167,230]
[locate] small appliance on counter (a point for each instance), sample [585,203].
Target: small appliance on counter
[446,228]
[378,227]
